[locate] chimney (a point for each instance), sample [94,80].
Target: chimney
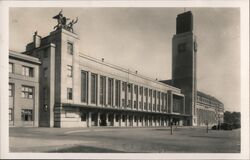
[36,40]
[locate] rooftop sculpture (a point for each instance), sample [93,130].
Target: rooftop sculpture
[62,22]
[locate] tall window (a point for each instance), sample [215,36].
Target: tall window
[70,48]
[93,88]
[10,114]
[84,86]
[11,89]
[69,71]
[27,92]
[150,99]
[45,72]
[159,100]
[102,90]
[27,71]
[124,89]
[146,100]
[129,95]
[11,69]
[166,102]
[110,91]
[141,90]
[162,101]
[69,93]
[117,93]
[26,115]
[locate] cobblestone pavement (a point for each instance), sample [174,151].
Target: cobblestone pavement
[120,140]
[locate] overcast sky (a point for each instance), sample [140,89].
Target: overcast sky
[141,39]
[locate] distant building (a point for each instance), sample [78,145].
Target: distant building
[70,89]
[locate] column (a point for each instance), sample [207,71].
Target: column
[98,119]
[127,120]
[143,121]
[89,119]
[114,119]
[107,119]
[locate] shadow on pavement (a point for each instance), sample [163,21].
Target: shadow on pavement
[85,149]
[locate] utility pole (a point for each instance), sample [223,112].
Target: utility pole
[171,126]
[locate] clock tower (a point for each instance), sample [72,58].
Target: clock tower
[184,48]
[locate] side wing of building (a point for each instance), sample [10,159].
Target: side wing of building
[23,89]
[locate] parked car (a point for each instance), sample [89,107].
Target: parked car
[222,126]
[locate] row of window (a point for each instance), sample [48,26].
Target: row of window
[207,101]
[26,114]
[26,91]
[26,71]
[118,93]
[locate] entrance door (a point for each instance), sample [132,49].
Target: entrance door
[103,120]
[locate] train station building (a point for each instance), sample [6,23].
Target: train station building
[54,84]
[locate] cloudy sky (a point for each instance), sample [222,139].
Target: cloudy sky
[140,39]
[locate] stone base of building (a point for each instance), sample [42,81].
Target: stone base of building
[69,116]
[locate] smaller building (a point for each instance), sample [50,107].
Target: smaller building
[209,110]
[23,89]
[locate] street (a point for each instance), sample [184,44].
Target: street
[124,140]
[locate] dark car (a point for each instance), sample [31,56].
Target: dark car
[226,126]
[222,126]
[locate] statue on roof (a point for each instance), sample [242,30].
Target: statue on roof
[70,25]
[62,22]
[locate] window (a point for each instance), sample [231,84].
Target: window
[26,115]
[124,85]
[116,118]
[83,116]
[135,89]
[102,90]
[45,72]
[70,48]
[123,118]
[129,103]
[117,93]
[129,88]
[10,114]
[27,92]
[123,102]
[110,91]
[141,90]
[145,92]
[11,90]
[135,104]
[84,86]
[28,71]
[182,47]
[11,69]
[93,88]
[69,93]
[45,55]
[69,71]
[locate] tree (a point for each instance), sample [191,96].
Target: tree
[232,118]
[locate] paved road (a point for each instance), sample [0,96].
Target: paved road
[129,140]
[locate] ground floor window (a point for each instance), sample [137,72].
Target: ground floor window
[26,115]
[83,116]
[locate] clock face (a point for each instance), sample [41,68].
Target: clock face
[182,47]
